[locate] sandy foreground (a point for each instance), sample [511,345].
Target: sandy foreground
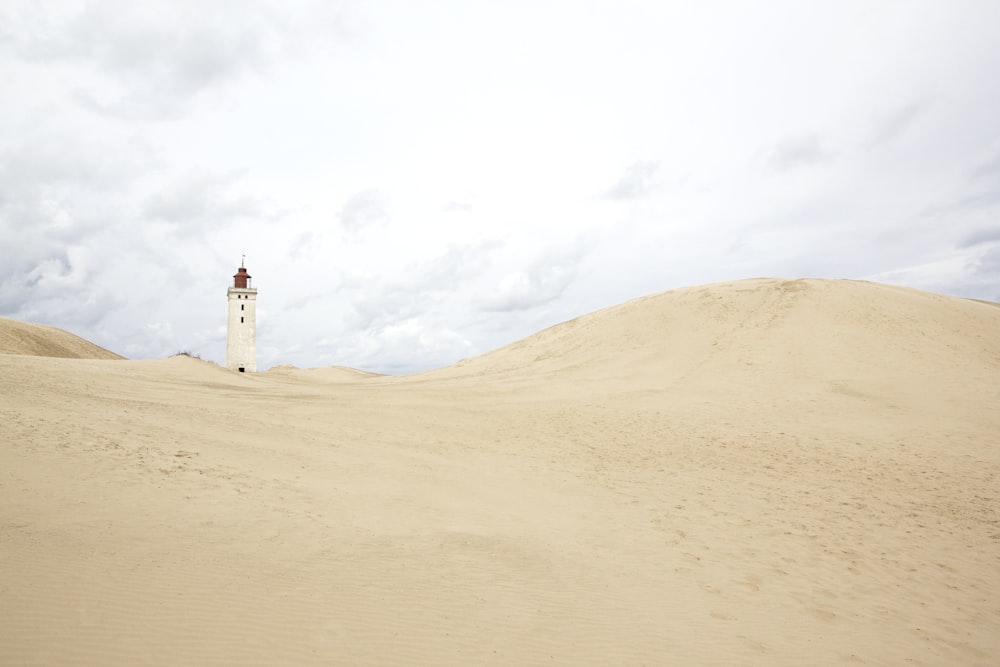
[763,472]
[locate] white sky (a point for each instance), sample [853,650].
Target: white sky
[418,182]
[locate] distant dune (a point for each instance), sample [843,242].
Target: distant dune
[761,472]
[324,374]
[763,328]
[44,341]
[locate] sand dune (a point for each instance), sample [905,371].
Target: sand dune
[763,472]
[45,341]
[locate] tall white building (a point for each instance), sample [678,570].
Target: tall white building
[241,336]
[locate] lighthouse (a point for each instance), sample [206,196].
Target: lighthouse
[241,336]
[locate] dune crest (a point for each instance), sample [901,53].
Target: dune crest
[781,326]
[44,341]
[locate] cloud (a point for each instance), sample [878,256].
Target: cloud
[967,203]
[980,236]
[411,344]
[195,201]
[895,124]
[301,245]
[59,191]
[390,319]
[804,150]
[979,275]
[363,210]
[544,280]
[637,181]
[987,167]
[417,287]
[984,275]
[151,58]
[37,159]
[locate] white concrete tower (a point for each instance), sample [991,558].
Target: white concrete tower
[241,336]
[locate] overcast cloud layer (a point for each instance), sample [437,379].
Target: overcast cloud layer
[418,182]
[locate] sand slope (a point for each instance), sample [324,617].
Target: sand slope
[45,341]
[761,472]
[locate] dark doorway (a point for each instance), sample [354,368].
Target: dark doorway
[242,370]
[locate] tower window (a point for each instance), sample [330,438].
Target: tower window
[241,320]
[241,306]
